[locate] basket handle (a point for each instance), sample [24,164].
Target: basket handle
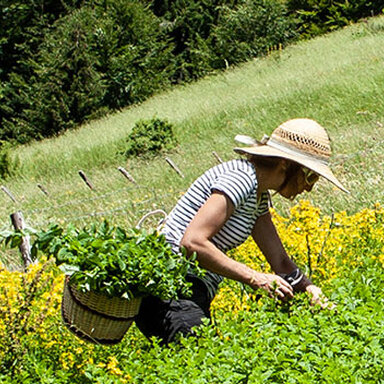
[156,211]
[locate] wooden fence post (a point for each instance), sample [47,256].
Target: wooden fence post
[42,189]
[173,165]
[8,193]
[25,248]
[126,174]
[217,157]
[86,180]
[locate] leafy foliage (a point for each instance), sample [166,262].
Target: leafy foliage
[318,17]
[251,339]
[64,63]
[135,54]
[91,60]
[68,89]
[109,260]
[7,164]
[22,30]
[28,317]
[189,25]
[250,29]
[149,137]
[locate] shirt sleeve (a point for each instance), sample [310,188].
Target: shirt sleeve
[237,185]
[264,205]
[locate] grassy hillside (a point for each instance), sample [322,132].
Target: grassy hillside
[337,79]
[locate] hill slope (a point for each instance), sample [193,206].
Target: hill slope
[337,79]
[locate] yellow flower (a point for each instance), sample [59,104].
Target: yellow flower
[112,366]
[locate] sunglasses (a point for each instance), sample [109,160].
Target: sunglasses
[310,176]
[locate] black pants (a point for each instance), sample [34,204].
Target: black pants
[166,319]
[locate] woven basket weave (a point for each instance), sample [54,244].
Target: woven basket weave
[96,317]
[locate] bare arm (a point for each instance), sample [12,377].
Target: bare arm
[266,237]
[197,238]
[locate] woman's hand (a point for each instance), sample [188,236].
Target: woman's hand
[318,298]
[273,284]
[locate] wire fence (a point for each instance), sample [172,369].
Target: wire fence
[129,201]
[124,206]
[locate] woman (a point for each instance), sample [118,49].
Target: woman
[226,205]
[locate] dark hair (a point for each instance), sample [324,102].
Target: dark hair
[265,161]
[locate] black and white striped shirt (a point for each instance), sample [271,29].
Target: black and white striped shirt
[238,180]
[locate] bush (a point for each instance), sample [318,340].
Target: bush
[7,165]
[189,24]
[249,30]
[91,61]
[65,63]
[23,28]
[149,138]
[314,17]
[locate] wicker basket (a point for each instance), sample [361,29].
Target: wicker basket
[96,317]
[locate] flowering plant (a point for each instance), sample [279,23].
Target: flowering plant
[265,339]
[115,262]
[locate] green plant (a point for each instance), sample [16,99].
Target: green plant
[25,317]
[315,17]
[4,161]
[135,53]
[249,30]
[251,340]
[67,89]
[23,28]
[7,164]
[149,137]
[109,260]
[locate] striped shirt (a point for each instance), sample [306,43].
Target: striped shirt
[236,179]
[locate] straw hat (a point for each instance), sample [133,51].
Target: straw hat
[301,140]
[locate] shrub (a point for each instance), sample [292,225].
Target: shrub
[189,24]
[249,30]
[27,303]
[64,63]
[91,60]
[150,137]
[7,164]
[23,28]
[314,17]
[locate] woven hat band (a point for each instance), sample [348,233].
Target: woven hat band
[289,149]
[305,135]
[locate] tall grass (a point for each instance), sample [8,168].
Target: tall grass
[337,79]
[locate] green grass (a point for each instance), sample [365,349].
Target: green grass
[337,79]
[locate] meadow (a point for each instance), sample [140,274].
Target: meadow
[336,79]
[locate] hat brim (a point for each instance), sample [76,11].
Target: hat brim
[316,166]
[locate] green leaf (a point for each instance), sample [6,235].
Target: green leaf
[69,269]
[97,243]
[122,265]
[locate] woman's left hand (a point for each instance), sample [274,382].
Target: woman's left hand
[318,297]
